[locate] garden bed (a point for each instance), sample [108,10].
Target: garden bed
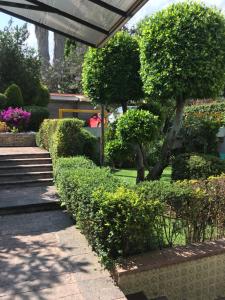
[22,139]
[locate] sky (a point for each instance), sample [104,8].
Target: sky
[149,8]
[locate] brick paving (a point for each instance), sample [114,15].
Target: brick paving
[43,256]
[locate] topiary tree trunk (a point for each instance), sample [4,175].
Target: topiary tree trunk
[169,142]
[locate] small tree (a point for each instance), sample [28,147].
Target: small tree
[19,64]
[182,56]
[138,128]
[111,74]
[14,96]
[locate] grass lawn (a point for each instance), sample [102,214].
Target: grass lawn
[129,175]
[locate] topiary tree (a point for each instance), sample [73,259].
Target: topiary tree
[138,128]
[182,51]
[14,96]
[3,101]
[111,74]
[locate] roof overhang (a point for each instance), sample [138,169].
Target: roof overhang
[91,22]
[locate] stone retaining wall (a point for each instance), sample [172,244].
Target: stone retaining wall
[23,139]
[192,273]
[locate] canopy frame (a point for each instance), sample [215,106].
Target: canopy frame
[36,5]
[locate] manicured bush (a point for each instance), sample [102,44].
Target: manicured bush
[199,133]
[14,96]
[45,134]
[116,221]
[119,221]
[215,109]
[75,186]
[43,96]
[3,101]
[196,166]
[66,137]
[119,154]
[38,115]
[68,163]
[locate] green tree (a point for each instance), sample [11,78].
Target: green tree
[111,74]
[182,51]
[138,128]
[65,75]
[43,96]
[3,101]
[19,64]
[14,96]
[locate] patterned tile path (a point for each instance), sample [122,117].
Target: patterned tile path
[43,256]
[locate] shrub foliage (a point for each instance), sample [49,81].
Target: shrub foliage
[196,166]
[66,137]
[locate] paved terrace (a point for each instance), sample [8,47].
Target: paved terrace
[43,256]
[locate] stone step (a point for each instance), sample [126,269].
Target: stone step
[31,208]
[5,170]
[24,155]
[26,183]
[25,161]
[25,176]
[18,200]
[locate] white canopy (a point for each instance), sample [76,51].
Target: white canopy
[88,21]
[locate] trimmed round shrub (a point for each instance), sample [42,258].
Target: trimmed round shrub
[43,96]
[3,101]
[119,154]
[196,166]
[66,137]
[38,115]
[14,96]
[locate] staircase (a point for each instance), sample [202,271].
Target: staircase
[25,169]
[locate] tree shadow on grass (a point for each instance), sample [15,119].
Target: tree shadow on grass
[32,261]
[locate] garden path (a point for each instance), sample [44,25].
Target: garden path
[42,255]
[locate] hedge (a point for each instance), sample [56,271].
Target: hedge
[38,115]
[216,107]
[196,166]
[114,219]
[66,137]
[119,221]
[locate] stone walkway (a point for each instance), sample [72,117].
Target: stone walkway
[43,256]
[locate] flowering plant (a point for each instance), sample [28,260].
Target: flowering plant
[15,118]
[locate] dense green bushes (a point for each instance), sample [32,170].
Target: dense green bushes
[196,166]
[119,221]
[14,96]
[43,96]
[215,108]
[38,115]
[66,137]
[114,219]
[3,101]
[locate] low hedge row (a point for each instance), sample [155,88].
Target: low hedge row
[119,220]
[66,137]
[115,220]
[206,108]
[196,166]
